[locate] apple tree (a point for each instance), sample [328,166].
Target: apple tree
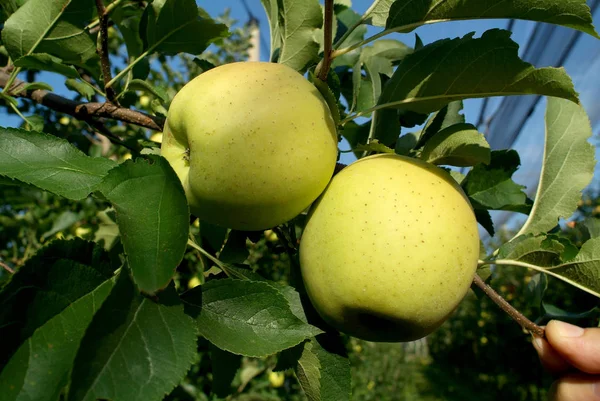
[135,207]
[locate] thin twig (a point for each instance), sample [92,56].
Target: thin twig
[7,268]
[103,51]
[328,32]
[508,308]
[102,129]
[82,110]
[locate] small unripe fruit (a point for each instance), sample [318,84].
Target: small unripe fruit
[390,249]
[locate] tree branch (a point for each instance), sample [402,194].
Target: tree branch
[508,308]
[327,41]
[7,268]
[103,52]
[82,110]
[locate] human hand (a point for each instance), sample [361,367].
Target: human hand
[573,354]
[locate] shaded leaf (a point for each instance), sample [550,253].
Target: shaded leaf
[568,166]
[43,288]
[298,21]
[458,145]
[224,367]
[50,163]
[449,115]
[378,13]
[80,87]
[246,317]
[442,72]
[153,218]
[63,221]
[138,84]
[148,344]
[485,219]
[374,146]
[40,368]
[491,186]
[175,26]
[53,27]
[46,62]
[323,369]
[405,16]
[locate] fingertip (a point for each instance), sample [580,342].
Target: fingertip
[551,360]
[575,387]
[580,347]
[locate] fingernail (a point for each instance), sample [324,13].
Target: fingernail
[597,389]
[569,330]
[538,343]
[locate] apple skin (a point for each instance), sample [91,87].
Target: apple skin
[253,143]
[390,249]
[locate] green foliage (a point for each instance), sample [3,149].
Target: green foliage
[60,168]
[107,301]
[421,84]
[152,216]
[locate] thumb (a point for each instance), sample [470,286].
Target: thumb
[580,347]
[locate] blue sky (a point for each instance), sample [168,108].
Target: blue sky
[583,65]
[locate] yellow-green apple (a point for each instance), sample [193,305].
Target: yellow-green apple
[253,143]
[390,249]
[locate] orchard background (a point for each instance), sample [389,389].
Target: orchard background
[73,323]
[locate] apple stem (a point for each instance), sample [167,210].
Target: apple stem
[323,71]
[508,308]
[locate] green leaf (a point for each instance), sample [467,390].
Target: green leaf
[80,87]
[449,115]
[46,62]
[374,146]
[43,288]
[323,369]
[53,27]
[404,16]
[536,250]
[546,254]
[40,368]
[385,126]
[329,97]
[246,317]
[458,145]
[406,143]
[568,166]
[37,85]
[356,134]
[224,367]
[174,26]
[552,312]
[491,186]
[485,220]
[377,59]
[235,249]
[345,19]
[148,344]
[153,218]
[377,14]
[138,84]
[128,17]
[442,72]
[298,22]
[272,11]
[108,231]
[50,163]
[63,221]
[584,269]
